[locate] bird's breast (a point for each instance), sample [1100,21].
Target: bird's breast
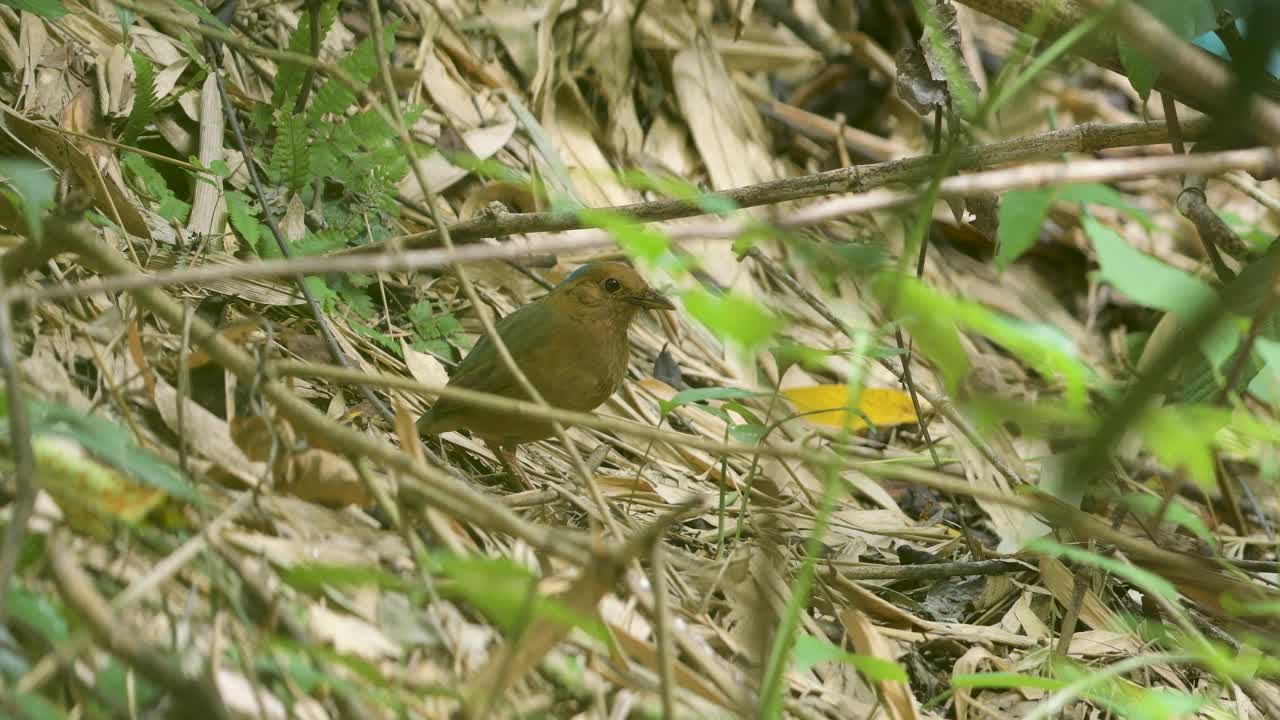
[587,364]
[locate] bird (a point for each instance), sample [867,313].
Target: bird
[572,345]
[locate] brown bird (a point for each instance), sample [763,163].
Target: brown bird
[571,344]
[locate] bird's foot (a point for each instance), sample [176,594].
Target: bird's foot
[507,456]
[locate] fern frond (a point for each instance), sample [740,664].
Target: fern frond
[291,156]
[360,65]
[144,97]
[289,76]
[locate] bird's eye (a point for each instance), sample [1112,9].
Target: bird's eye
[612,285]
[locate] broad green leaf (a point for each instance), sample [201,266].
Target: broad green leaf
[921,311]
[1021,215]
[810,650]
[638,240]
[51,9]
[1005,680]
[34,706]
[1175,512]
[506,593]
[697,395]
[748,434]
[1182,436]
[1144,579]
[115,686]
[154,184]
[1266,386]
[109,442]
[32,187]
[932,318]
[37,612]
[1186,18]
[789,353]
[1146,280]
[733,317]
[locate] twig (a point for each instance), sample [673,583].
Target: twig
[309,77]
[1086,138]
[196,694]
[140,588]
[662,627]
[23,455]
[933,571]
[1025,177]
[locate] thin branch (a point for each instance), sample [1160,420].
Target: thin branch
[23,456]
[1085,138]
[976,184]
[195,693]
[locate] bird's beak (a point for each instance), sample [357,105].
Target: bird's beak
[652,299]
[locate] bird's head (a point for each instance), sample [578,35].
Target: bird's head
[613,289]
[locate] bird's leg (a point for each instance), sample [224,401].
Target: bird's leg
[510,463]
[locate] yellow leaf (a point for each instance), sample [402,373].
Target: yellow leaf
[883,406]
[89,491]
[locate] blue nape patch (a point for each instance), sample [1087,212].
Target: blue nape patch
[577,274]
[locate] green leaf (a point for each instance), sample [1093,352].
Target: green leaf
[789,353]
[244,218]
[144,98]
[1021,215]
[1146,580]
[32,190]
[1098,194]
[111,443]
[1186,18]
[38,613]
[291,156]
[289,75]
[698,395]
[333,97]
[733,317]
[33,706]
[113,686]
[810,650]
[1144,279]
[154,185]
[639,241]
[506,593]
[1142,73]
[1182,436]
[51,9]
[1175,511]
[1006,680]
[921,313]
[1266,386]
[748,434]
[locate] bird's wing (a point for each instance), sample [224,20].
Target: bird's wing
[524,332]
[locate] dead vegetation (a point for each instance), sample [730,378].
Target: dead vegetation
[208,514]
